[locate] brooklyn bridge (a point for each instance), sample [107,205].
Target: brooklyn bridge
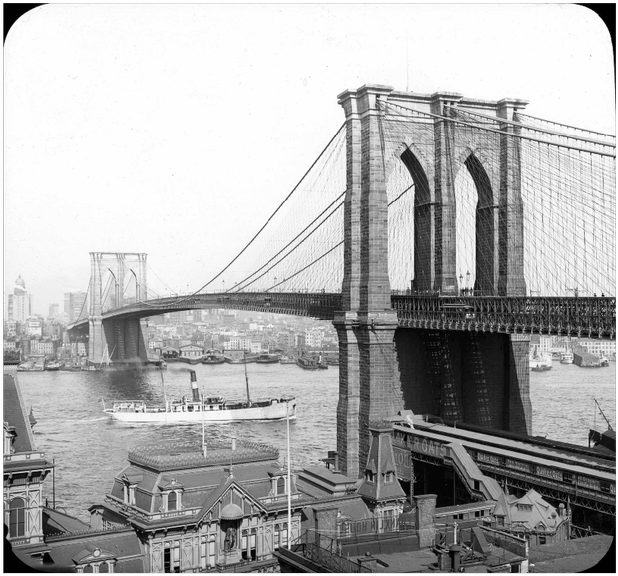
[438,233]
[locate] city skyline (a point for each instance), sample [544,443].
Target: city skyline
[146,142]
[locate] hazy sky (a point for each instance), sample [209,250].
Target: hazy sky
[177,129]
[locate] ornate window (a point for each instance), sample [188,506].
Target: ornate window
[280,486]
[172,501]
[17,518]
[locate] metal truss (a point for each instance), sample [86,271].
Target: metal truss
[556,494]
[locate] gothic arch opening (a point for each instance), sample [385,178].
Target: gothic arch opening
[476,226]
[423,256]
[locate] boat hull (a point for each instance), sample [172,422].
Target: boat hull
[275,411]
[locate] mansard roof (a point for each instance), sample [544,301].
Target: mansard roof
[122,544]
[187,455]
[15,413]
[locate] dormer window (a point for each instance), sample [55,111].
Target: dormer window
[172,501]
[129,494]
[370,476]
[130,483]
[280,486]
[389,477]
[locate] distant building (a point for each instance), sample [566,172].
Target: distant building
[54,310]
[191,351]
[598,347]
[313,338]
[34,327]
[74,305]
[19,305]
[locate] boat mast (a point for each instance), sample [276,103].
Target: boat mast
[244,355]
[164,394]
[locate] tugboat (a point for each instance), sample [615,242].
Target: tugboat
[604,361]
[203,409]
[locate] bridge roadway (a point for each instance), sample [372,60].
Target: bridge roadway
[563,316]
[560,471]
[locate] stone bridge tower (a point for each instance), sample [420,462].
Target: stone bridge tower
[372,348]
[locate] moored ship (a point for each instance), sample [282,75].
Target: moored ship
[540,363]
[268,358]
[566,358]
[213,359]
[308,363]
[203,409]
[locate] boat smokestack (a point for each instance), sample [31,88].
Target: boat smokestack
[196,393]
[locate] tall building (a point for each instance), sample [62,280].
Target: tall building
[54,310]
[19,303]
[73,304]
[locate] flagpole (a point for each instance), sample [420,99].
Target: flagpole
[203,428]
[287,419]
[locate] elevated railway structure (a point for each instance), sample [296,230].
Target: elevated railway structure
[579,477]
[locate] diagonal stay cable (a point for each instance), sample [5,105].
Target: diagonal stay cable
[290,242]
[333,248]
[271,216]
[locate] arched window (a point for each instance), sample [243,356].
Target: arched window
[280,485]
[17,515]
[172,501]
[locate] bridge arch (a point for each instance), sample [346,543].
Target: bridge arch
[477,220]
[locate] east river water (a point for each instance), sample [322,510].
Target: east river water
[90,449]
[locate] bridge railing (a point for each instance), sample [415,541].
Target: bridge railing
[569,316]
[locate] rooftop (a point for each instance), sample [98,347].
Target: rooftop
[182,455]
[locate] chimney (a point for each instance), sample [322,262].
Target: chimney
[196,393]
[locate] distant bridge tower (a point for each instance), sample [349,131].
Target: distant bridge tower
[119,340]
[372,385]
